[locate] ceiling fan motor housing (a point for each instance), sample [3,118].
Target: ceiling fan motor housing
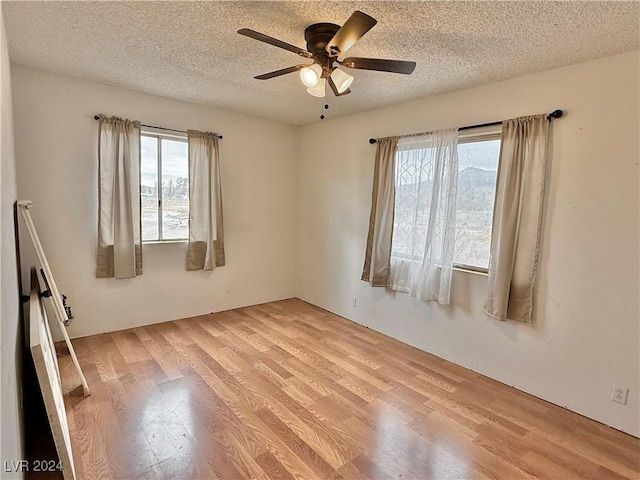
[318,35]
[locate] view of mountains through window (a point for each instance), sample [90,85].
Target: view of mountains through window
[478,165]
[476,188]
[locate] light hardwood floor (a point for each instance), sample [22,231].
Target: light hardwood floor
[286,390]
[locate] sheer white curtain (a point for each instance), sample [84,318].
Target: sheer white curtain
[119,252]
[425,209]
[206,233]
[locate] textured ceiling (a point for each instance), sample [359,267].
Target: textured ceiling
[191,51]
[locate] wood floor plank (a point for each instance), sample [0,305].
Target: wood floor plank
[327,441]
[101,362]
[130,346]
[286,390]
[237,455]
[273,468]
[505,445]
[407,448]
[368,445]
[95,454]
[274,445]
[297,445]
[215,375]
[161,351]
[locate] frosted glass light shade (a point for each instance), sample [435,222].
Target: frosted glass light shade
[341,79]
[319,89]
[310,75]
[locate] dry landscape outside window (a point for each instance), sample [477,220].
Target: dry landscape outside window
[477,173]
[165,204]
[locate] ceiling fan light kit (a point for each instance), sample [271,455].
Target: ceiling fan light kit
[311,75]
[341,79]
[325,43]
[319,90]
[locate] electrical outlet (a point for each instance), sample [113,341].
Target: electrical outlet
[619,394]
[354,301]
[228,291]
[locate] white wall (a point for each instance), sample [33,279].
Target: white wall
[11,441]
[57,168]
[585,337]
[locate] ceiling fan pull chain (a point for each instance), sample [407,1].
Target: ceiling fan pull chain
[325,107]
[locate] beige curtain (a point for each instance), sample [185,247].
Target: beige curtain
[206,234]
[119,239]
[517,218]
[378,251]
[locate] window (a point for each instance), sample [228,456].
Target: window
[164,188]
[478,167]
[414,182]
[478,154]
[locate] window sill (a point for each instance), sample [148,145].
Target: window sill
[461,268]
[163,242]
[456,266]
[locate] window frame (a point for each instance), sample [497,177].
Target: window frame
[475,135]
[159,136]
[481,134]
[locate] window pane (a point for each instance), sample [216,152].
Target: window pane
[149,188]
[175,190]
[476,193]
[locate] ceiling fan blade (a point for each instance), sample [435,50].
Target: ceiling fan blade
[353,29]
[335,89]
[277,73]
[273,41]
[393,66]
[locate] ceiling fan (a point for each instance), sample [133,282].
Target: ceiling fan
[325,43]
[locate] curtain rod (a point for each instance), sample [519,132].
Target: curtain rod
[96,117]
[551,116]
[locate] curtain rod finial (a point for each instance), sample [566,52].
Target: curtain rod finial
[555,114]
[372,141]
